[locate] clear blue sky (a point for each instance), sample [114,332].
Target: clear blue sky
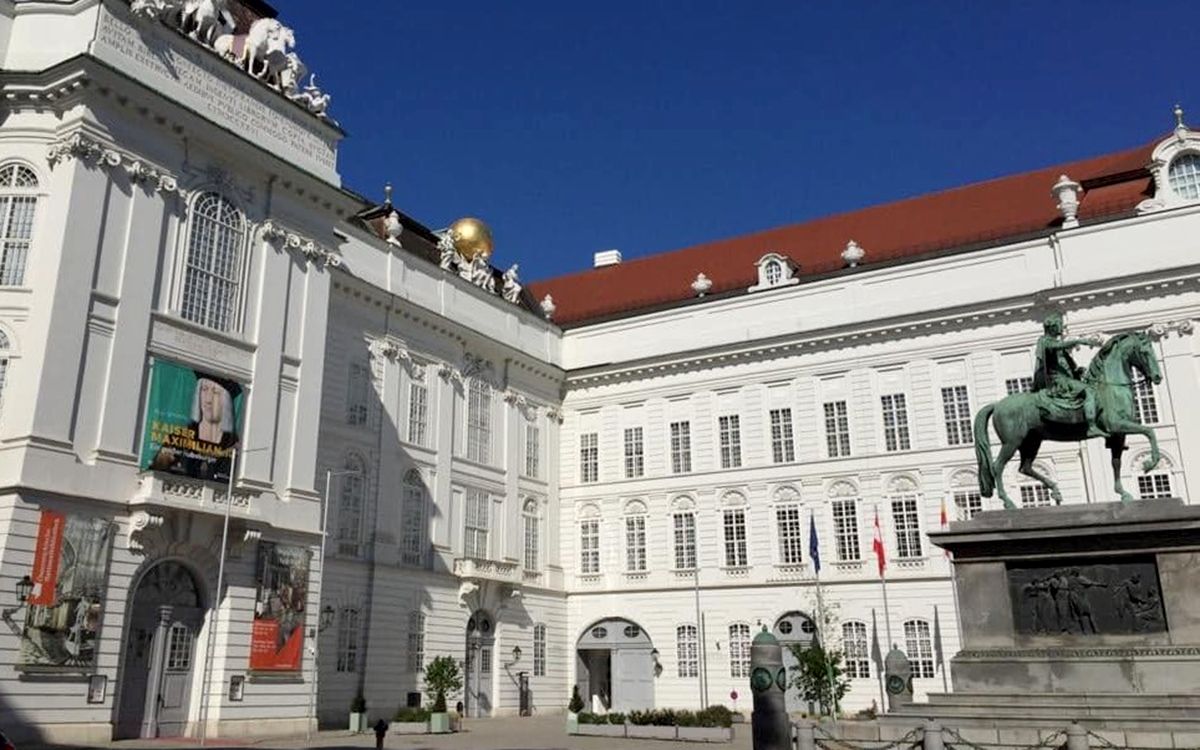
[648,126]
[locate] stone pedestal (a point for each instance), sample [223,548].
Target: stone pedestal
[1088,612]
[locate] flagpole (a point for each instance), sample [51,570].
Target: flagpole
[953,592]
[814,552]
[879,552]
[699,640]
[214,617]
[877,657]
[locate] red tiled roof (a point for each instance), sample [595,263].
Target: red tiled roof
[982,214]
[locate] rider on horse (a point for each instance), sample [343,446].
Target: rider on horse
[1058,379]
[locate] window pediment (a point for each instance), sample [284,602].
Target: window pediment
[774,270]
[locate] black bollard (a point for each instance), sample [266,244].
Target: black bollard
[381,728]
[770,726]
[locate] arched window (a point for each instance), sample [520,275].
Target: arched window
[589,540]
[213,268]
[843,504]
[18,202]
[350,510]
[412,540]
[687,651]
[683,527]
[773,272]
[857,650]
[539,650]
[733,518]
[788,526]
[904,498]
[965,490]
[532,534]
[635,537]
[1184,176]
[919,647]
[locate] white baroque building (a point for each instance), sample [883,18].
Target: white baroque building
[608,480]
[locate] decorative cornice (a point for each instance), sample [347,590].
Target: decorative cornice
[1095,652]
[389,349]
[450,373]
[1181,328]
[80,145]
[555,414]
[288,240]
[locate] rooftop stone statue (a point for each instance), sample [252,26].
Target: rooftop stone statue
[1068,404]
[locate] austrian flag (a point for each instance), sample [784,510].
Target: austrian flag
[877,545]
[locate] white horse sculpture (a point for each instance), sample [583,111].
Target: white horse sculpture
[292,75]
[204,19]
[267,43]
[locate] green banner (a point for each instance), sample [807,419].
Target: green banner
[193,421]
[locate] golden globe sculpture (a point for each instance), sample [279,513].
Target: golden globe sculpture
[472,238]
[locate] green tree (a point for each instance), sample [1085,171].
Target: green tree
[819,676]
[442,677]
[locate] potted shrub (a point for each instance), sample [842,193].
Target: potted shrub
[410,720]
[358,714]
[441,677]
[713,724]
[574,707]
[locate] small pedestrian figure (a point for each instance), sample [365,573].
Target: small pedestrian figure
[381,728]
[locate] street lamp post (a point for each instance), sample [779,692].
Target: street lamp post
[323,622]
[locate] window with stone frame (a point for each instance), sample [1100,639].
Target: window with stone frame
[687,650]
[589,457]
[1153,486]
[967,503]
[837,429]
[635,453]
[1035,496]
[635,542]
[352,494]
[791,534]
[347,640]
[895,422]
[532,522]
[412,537]
[739,650]
[418,407]
[18,206]
[783,446]
[857,650]
[1022,384]
[906,521]
[212,273]
[919,648]
[845,529]
[729,431]
[956,408]
[736,555]
[681,447]
[358,389]
[476,526]
[589,546]
[533,450]
[1145,403]
[479,421]
[1183,175]
[539,650]
[684,528]
[416,641]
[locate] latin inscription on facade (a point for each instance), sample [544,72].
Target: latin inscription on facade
[1121,597]
[198,79]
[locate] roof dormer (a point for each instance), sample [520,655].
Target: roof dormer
[774,270]
[1175,166]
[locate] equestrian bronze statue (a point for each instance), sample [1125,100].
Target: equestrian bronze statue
[1069,404]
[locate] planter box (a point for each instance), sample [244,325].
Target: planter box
[358,722]
[439,723]
[705,734]
[603,730]
[641,732]
[572,723]
[409,727]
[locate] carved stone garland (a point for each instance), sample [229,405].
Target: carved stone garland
[288,240]
[80,145]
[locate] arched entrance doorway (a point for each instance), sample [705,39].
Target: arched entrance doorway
[794,629]
[615,666]
[160,653]
[481,647]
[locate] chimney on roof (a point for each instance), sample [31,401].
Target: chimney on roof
[606,258]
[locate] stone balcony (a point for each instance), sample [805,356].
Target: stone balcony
[476,569]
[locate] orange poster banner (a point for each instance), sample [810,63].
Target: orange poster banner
[46,558]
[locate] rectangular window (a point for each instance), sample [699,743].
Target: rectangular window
[347,645]
[791,541]
[857,650]
[783,448]
[739,650]
[1035,496]
[475,536]
[957,409]
[16,222]
[635,544]
[416,642]
[688,653]
[350,511]
[968,503]
[539,650]
[681,447]
[479,421]
[589,547]
[635,456]
[533,450]
[179,648]
[418,412]
[531,536]
[358,385]
[589,457]
[895,422]
[1018,385]
[735,538]
[837,429]
[920,648]
[412,538]
[730,432]
[685,540]
[907,521]
[845,529]
[1145,405]
[1152,486]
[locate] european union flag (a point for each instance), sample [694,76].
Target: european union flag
[814,546]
